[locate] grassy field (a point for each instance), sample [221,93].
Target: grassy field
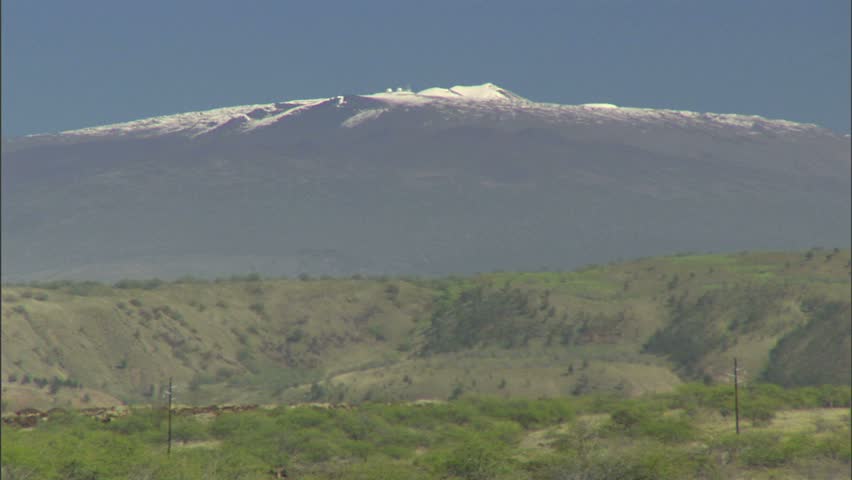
[627,328]
[686,433]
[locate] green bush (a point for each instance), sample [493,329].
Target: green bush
[188,429]
[667,429]
[237,426]
[314,448]
[77,470]
[141,421]
[630,416]
[306,417]
[359,427]
[379,469]
[835,446]
[646,461]
[475,459]
[501,431]
[758,449]
[528,413]
[150,284]
[760,410]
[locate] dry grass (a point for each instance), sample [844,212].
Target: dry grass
[247,329]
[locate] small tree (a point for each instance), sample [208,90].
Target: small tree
[457,392]
[55,384]
[392,292]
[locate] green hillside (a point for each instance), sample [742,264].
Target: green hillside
[633,327]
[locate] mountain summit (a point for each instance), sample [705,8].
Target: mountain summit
[443,180]
[483,99]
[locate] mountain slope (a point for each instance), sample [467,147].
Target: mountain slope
[441,181]
[603,328]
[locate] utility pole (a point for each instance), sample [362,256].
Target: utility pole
[736,397]
[169,447]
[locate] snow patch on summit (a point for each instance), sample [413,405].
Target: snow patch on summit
[599,105]
[191,123]
[485,92]
[363,116]
[194,124]
[301,105]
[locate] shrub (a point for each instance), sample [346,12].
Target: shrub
[527,413]
[142,421]
[835,446]
[317,393]
[139,284]
[757,449]
[834,396]
[629,417]
[667,429]
[378,332]
[55,384]
[457,392]
[760,410]
[258,308]
[76,470]
[694,395]
[188,429]
[315,449]
[474,460]
[392,292]
[84,289]
[306,417]
[380,469]
[645,461]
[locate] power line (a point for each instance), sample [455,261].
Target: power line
[736,376]
[170,393]
[736,399]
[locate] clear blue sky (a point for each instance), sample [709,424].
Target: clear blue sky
[71,64]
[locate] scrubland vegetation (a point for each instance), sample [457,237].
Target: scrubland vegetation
[688,433]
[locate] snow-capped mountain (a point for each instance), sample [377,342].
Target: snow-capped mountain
[486,99]
[441,180]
